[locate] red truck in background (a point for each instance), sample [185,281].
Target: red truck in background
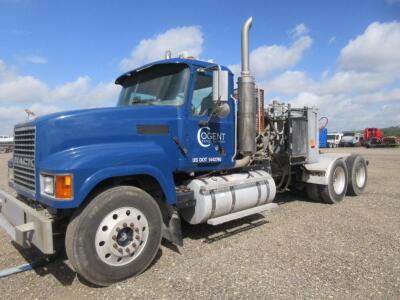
[373,137]
[372,133]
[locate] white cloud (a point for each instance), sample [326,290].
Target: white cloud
[102,94]
[70,89]
[13,114]
[299,30]
[179,39]
[15,88]
[346,112]
[351,82]
[266,60]
[18,92]
[365,89]
[376,50]
[290,83]
[294,82]
[350,100]
[21,88]
[33,59]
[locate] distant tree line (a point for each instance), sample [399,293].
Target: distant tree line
[393,130]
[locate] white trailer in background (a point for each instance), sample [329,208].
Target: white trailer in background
[333,139]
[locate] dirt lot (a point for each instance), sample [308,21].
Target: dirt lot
[300,250]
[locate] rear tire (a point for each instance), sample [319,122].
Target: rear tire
[358,174]
[116,236]
[336,189]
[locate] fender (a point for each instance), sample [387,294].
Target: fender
[92,164]
[318,173]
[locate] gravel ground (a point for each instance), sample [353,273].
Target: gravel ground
[300,250]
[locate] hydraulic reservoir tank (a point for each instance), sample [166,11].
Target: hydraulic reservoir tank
[221,195]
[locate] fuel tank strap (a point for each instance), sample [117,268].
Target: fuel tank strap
[233,193]
[213,199]
[259,193]
[213,205]
[218,186]
[268,189]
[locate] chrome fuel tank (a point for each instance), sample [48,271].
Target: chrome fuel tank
[221,195]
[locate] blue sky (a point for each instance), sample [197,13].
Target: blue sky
[65,54]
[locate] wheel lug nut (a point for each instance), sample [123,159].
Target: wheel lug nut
[114,237]
[132,225]
[127,250]
[125,225]
[120,250]
[136,229]
[115,246]
[133,245]
[137,237]
[117,229]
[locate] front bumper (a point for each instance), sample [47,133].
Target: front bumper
[26,225]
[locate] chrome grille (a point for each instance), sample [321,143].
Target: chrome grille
[24,158]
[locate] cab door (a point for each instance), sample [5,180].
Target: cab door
[209,138]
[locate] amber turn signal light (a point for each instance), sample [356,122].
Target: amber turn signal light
[63,187]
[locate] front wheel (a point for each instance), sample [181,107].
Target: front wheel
[336,188]
[116,236]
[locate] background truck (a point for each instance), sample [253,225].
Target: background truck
[374,137]
[333,139]
[109,183]
[351,139]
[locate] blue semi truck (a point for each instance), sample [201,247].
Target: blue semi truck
[108,184]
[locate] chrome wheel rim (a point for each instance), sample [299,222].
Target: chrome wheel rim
[360,175]
[339,180]
[121,236]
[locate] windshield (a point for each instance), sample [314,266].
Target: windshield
[164,84]
[348,134]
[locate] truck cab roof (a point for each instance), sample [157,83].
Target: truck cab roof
[192,63]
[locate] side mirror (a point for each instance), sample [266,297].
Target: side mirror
[222,110]
[220,86]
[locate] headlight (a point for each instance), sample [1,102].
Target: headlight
[47,184]
[10,174]
[56,186]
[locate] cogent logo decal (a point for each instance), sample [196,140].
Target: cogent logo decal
[205,137]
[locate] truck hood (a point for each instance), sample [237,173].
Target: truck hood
[72,129]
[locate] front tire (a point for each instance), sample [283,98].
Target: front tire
[358,175]
[116,236]
[336,189]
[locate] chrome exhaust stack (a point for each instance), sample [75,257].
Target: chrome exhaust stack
[247,102]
